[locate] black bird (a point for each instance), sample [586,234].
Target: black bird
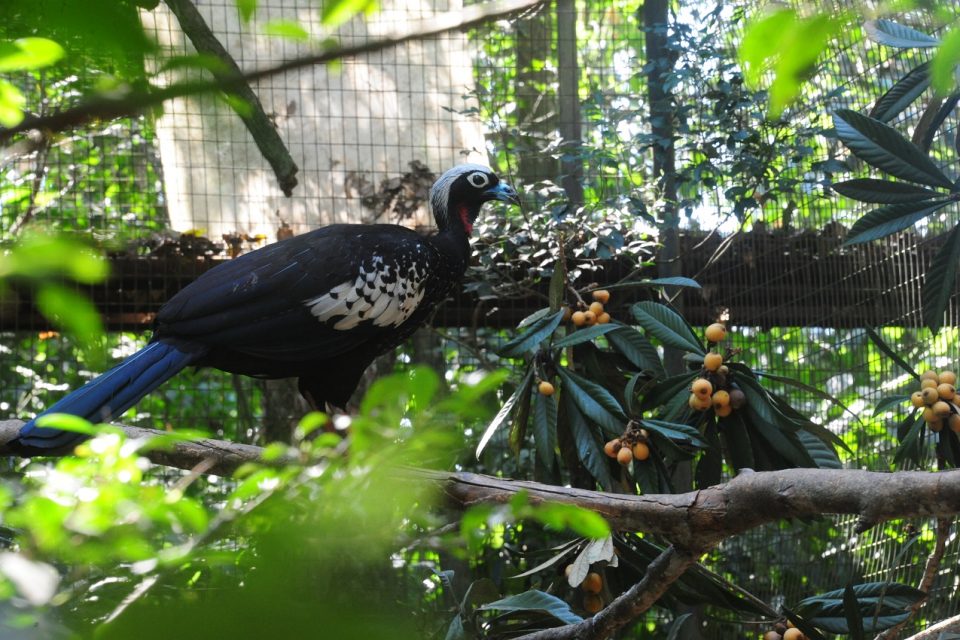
[319,307]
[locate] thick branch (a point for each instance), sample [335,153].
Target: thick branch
[136,101]
[258,124]
[934,632]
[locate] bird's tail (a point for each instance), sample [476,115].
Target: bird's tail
[107,395]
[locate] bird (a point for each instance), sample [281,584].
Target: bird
[319,307]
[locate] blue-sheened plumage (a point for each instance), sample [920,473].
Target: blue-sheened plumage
[319,307]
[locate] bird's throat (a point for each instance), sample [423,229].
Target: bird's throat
[464,212]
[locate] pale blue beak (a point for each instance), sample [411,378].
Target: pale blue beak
[502,191]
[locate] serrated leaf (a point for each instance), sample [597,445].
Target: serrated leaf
[891,218]
[883,191]
[533,336]
[666,325]
[521,417]
[545,428]
[504,413]
[939,281]
[594,401]
[636,348]
[892,34]
[584,335]
[890,353]
[588,449]
[882,146]
[902,94]
[534,600]
[928,125]
[666,390]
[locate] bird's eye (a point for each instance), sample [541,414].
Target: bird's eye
[479,180]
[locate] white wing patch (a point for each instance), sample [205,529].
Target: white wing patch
[382,293]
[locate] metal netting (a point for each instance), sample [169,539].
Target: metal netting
[164,195]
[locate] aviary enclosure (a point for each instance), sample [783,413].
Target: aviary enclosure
[660,167]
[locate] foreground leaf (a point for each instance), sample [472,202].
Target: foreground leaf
[938,283]
[882,146]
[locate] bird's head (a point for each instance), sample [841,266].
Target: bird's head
[456,197]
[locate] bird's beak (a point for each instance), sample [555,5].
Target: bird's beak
[503,191]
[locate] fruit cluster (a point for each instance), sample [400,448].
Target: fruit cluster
[634,444]
[713,387]
[593,314]
[937,397]
[591,587]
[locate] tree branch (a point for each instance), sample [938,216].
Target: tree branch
[933,632]
[262,130]
[137,101]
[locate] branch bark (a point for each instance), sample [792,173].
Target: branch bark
[138,101]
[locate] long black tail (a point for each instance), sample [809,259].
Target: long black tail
[107,395]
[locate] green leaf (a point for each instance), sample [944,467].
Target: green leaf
[909,448]
[883,191]
[27,54]
[673,281]
[938,284]
[558,282]
[636,348]
[890,353]
[71,312]
[534,600]
[736,440]
[667,326]
[533,336]
[890,401]
[545,428]
[336,12]
[945,62]
[822,455]
[288,29]
[852,612]
[902,94]
[882,146]
[594,401]
[67,422]
[581,521]
[676,431]
[891,218]
[521,416]
[892,34]
[504,412]
[588,449]
[247,9]
[11,104]
[584,335]
[761,41]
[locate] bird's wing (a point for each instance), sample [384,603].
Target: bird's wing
[314,295]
